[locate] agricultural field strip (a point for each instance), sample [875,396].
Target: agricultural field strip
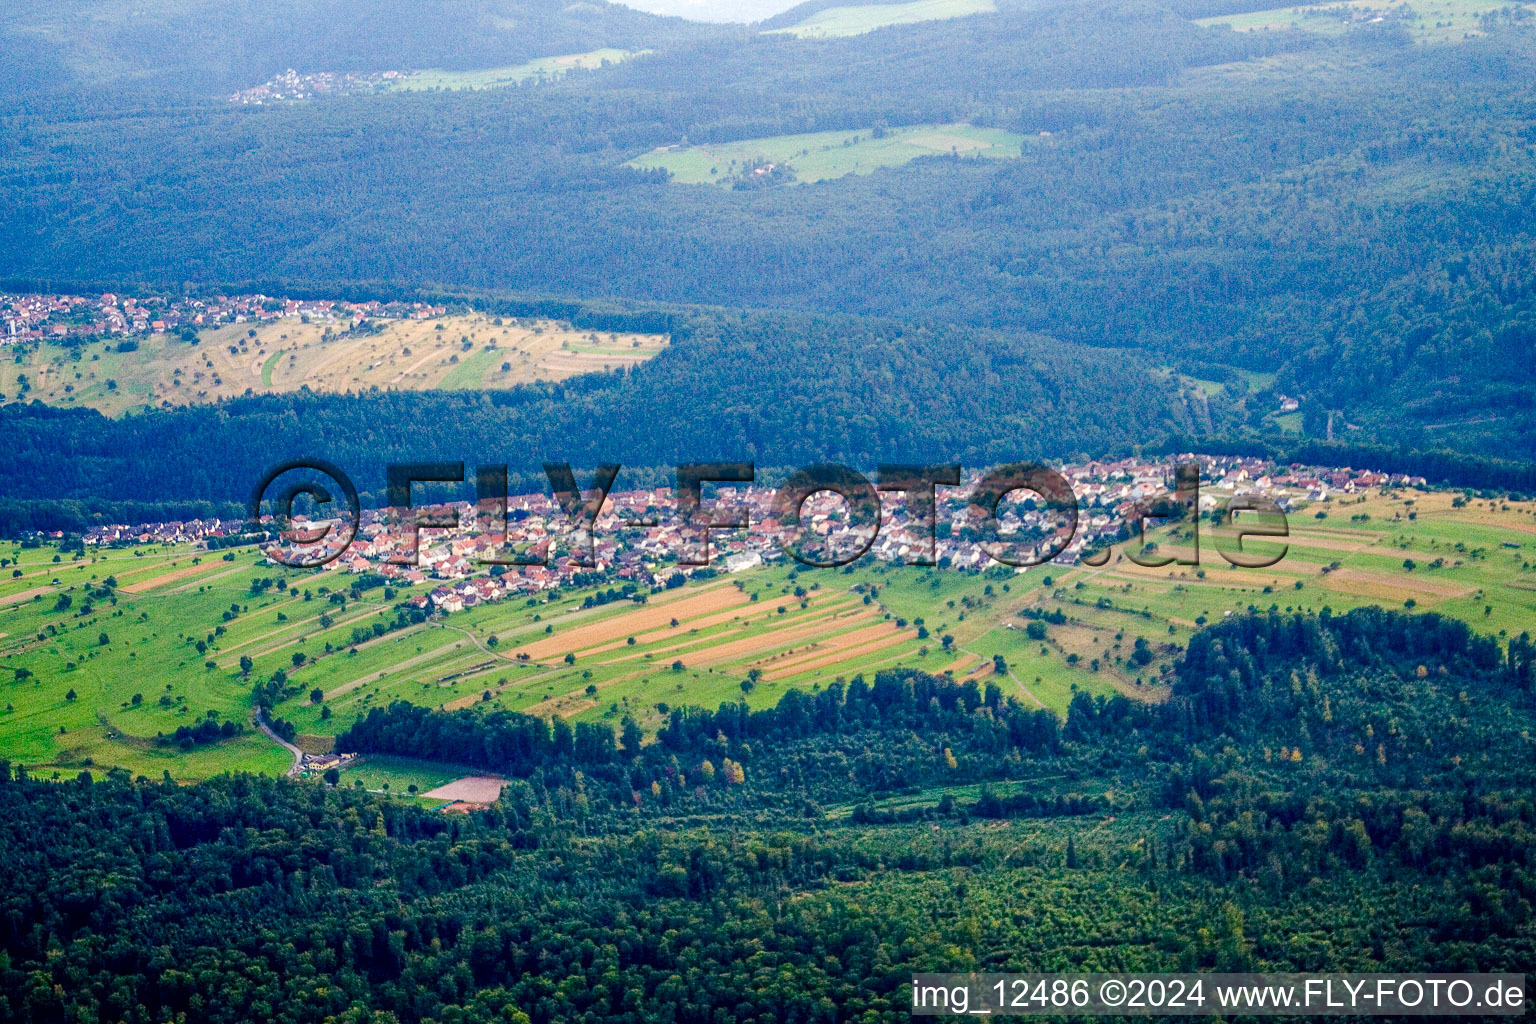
[166,579]
[695,631]
[823,156]
[757,643]
[60,568]
[846,643]
[759,646]
[398,667]
[735,651]
[210,582]
[647,616]
[767,623]
[889,639]
[338,628]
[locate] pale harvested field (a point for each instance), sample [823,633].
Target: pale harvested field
[1321,543]
[171,577]
[1395,585]
[836,657]
[474,789]
[791,628]
[839,642]
[564,706]
[683,628]
[626,624]
[961,667]
[762,643]
[470,351]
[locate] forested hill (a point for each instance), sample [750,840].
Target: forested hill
[1348,212]
[208,47]
[779,390]
[800,863]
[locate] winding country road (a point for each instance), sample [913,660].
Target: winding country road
[298,755]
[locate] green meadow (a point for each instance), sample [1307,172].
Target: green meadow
[542,69]
[821,156]
[856,19]
[1437,22]
[403,778]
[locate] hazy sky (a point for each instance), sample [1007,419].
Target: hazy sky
[715,10]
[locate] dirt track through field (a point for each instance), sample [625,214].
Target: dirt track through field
[961,667]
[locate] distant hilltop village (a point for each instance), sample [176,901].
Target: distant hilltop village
[59,317]
[291,85]
[453,576]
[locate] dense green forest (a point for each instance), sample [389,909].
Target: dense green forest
[1343,793]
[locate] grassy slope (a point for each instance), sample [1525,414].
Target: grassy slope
[1438,21]
[856,19]
[289,354]
[494,78]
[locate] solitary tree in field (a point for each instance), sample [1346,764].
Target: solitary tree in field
[246,664]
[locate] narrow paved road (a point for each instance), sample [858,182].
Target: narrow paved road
[298,755]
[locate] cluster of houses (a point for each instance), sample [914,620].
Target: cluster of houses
[314,764]
[458,568]
[291,85]
[638,537]
[37,317]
